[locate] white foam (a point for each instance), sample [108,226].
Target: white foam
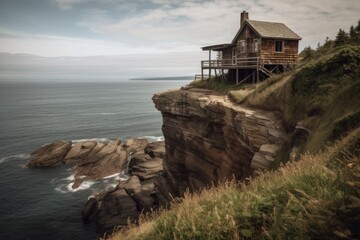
[21,156]
[95,114]
[70,178]
[91,139]
[83,186]
[110,187]
[122,177]
[154,138]
[111,176]
[67,188]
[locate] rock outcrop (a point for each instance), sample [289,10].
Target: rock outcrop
[209,139]
[95,160]
[131,197]
[50,154]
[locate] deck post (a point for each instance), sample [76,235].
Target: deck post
[202,71]
[257,69]
[237,76]
[209,65]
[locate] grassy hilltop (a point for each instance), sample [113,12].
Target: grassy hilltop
[317,197]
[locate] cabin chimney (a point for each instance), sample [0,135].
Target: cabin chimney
[243,16]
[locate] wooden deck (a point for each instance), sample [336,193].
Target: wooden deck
[235,63]
[257,64]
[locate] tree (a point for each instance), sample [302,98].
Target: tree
[352,33]
[318,46]
[357,29]
[341,37]
[307,53]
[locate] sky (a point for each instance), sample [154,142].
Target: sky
[158,28]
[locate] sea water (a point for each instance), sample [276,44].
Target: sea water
[39,203]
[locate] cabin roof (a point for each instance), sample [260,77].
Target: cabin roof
[217,47]
[269,30]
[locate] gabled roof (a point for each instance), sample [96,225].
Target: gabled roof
[269,30]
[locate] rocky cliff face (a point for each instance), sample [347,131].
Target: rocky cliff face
[208,139]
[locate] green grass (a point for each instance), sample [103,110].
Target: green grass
[317,197]
[322,94]
[309,199]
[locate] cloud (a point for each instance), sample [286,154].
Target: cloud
[195,23]
[49,46]
[149,26]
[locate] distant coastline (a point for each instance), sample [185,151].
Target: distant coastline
[163,78]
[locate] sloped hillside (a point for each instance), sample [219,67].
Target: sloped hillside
[315,197]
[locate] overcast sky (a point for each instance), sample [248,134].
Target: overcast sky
[52,28]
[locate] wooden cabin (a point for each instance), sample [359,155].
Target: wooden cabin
[258,50]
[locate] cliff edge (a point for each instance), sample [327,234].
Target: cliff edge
[209,139]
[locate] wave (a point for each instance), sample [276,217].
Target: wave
[154,138]
[106,183]
[21,156]
[92,139]
[67,188]
[96,114]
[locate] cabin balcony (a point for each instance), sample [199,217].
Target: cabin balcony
[235,63]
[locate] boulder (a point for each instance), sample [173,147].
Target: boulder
[155,149]
[144,200]
[89,209]
[116,209]
[50,154]
[79,152]
[144,166]
[132,185]
[135,145]
[102,161]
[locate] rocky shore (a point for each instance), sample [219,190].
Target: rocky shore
[139,159]
[208,139]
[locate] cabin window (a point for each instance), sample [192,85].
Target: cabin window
[279,46]
[242,46]
[234,55]
[256,46]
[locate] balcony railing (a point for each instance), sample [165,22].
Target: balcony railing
[232,63]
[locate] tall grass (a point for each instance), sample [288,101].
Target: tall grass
[313,198]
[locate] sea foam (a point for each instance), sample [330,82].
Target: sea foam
[154,138]
[20,156]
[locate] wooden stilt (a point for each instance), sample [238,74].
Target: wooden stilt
[257,70]
[237,76]
[202,74]
[209,65]
[222,75]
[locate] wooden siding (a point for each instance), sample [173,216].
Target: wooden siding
[289,54]
[266,49]
[247,35]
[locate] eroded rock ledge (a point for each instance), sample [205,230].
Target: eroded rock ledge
[140,159]
[208,139]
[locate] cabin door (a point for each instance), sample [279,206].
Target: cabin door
[234,56]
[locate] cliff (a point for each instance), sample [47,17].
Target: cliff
[209,139]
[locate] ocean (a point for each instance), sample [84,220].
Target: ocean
[39,203]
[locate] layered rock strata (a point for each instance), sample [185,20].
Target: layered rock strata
[95,160]
[132,197]
[209,139]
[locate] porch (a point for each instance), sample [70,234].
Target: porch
[218,66]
